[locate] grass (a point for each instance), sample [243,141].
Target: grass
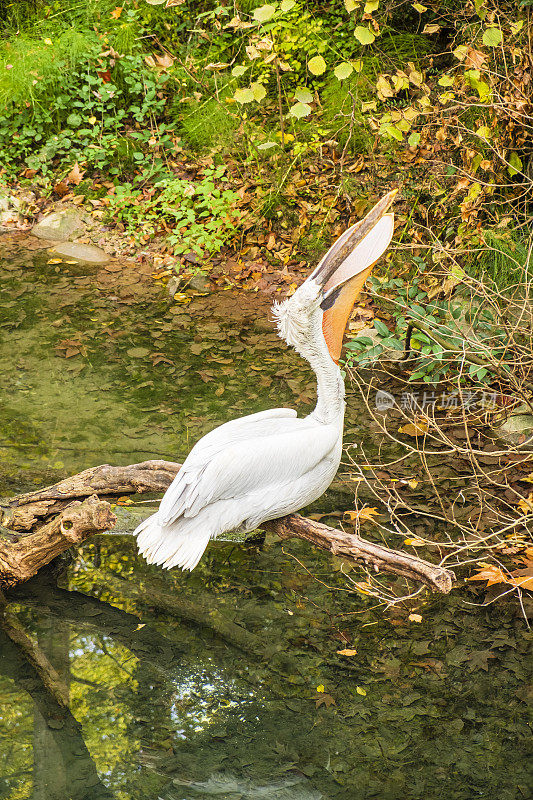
[209,124]
[504,260]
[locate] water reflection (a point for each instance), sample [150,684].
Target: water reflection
[169,709]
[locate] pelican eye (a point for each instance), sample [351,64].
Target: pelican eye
[328,301]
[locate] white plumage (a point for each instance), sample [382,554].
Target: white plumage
[273,463]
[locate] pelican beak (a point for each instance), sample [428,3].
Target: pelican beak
[346,266]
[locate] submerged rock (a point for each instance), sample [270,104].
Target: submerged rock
[200,283]
[82,252]
[58,226]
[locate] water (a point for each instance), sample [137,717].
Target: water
[161,706]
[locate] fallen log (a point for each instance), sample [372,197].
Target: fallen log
[76,520]
[22,556]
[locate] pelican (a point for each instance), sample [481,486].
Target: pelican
[273,463]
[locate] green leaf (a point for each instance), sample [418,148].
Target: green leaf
[446,80]
[343,71]
[244,96]
[371,5]
[419,7]
[414,139]
[364,35]
[264,13]
[393,132]
[483,132]
[303,95]
[287,5]
[74,120]
[515,163]
[300,110]
[381,328]
[238,71]
[317,65]
[492,37]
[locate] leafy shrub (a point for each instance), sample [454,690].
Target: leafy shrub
[201,215]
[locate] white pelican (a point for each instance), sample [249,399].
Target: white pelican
[273,463]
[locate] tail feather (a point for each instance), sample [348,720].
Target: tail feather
[170,546]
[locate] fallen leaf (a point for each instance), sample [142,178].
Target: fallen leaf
[75,175]
[417,428]
[365,514]
[324,700]
[361,691]
[347,652]
[415,618]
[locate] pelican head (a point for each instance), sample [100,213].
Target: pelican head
[318,310]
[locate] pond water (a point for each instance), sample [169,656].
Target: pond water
[100,366]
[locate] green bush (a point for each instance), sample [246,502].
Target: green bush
[201,214]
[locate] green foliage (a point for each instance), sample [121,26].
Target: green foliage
[201,215]
[70,97]
[444,334]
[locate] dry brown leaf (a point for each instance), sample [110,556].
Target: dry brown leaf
[75,175]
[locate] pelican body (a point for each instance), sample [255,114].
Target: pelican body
[273,463]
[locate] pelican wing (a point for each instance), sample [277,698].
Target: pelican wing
[243,456]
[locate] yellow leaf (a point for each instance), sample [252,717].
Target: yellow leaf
[364,587]
[364,35]
[351,5]
[316,65]
[413,483]
[258,90]
[415,618]
[91,120]
[360,690]
[47,41]
[371,5]
[347,652]
[384,88]
[415,542]
[55,261]
[320,687]
[526,504]
[419,7]
[418,428]
[363,515]
[490,573]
